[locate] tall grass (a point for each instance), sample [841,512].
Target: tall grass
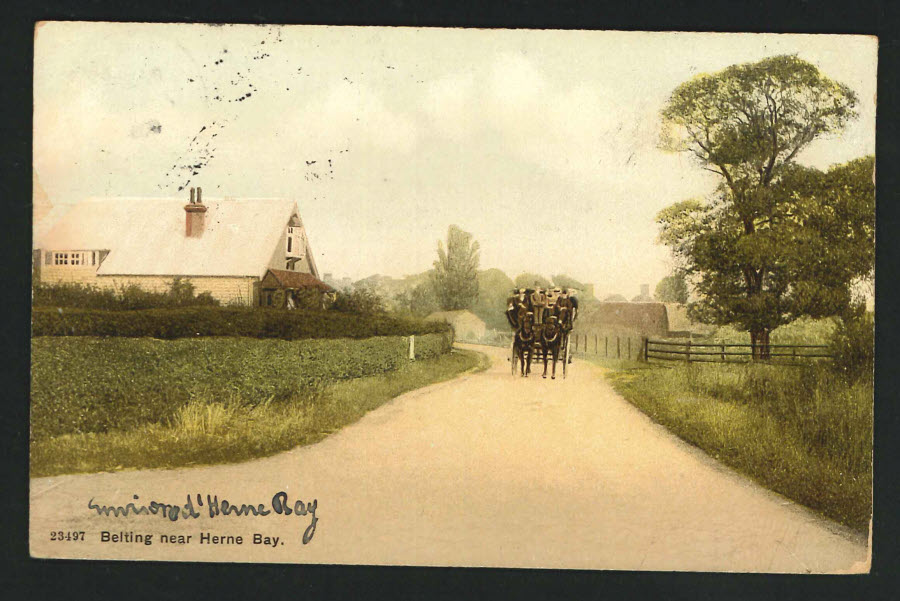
[228,428]
[804,432]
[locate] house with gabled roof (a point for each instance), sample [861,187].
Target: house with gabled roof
[222,246]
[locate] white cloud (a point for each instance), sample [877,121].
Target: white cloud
[525,137]
[354,111]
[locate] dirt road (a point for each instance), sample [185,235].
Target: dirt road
[484,470]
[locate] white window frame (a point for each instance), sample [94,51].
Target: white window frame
[78,258]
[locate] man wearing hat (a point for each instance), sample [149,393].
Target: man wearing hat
[539,305]
[516,307]
[565,309]
[552,295]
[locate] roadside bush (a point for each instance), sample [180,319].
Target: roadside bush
[81,385]
[359,300]
[181,293]
[853,346]
[189,322]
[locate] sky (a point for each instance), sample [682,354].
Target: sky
[543,144]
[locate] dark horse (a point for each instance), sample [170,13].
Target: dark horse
[523,343]
[550,339]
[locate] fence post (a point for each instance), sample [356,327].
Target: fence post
[629,347]
[412,348]
[646,343]
[595,343]
[689,351]
[618,348]
[723,353]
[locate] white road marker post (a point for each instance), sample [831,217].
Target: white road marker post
[412,348]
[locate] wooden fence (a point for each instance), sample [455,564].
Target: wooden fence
[712,352]
[618,345]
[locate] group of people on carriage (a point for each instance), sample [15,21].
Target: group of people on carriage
[542,320]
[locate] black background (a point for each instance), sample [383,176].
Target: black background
[23,577]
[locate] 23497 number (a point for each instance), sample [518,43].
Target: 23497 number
[59,535]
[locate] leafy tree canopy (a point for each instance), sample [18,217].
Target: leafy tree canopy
[814,241]
[672,289]
[530,280]
[749,252]
[454,280]
[748,121]
[494,288]
[565,281]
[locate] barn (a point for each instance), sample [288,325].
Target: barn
[222,246]
[647,318]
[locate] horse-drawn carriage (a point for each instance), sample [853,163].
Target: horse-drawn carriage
[546,337]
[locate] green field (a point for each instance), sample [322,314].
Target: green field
[804,432]
[100,404]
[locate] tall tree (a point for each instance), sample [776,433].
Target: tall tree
[747,124]
[672,289]
[454,280]
[816,242]
[494,288]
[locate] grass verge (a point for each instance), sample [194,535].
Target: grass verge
[802,432]
[230,430]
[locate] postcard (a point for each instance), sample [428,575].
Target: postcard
[592,300]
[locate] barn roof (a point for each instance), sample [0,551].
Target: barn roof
[295,279]
[642,317]
[146,236]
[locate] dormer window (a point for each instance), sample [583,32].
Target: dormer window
[73,258]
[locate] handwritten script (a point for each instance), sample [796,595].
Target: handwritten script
[213,507]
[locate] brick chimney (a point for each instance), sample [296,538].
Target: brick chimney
[195,215]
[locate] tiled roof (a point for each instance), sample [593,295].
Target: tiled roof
[297,280]
[146,236]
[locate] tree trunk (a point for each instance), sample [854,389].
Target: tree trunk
[760,341]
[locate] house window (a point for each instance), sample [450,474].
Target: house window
[75,259]
[290,239]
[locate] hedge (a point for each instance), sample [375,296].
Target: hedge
[85,384]
[180,293]
[188,322]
